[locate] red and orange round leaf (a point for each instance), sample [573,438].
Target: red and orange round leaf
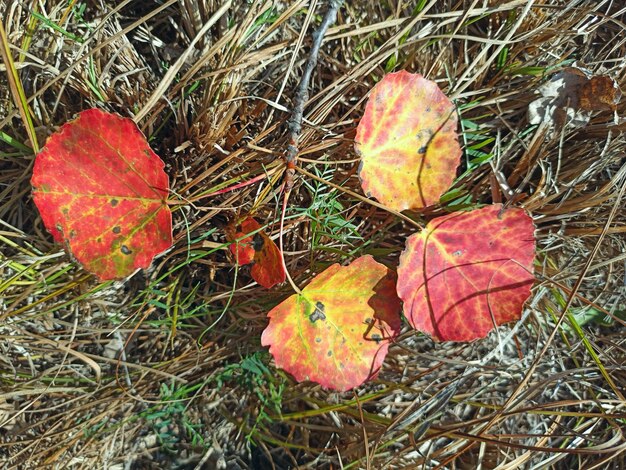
[407,142]
[468,272]
[102,191]
[337,331]
[259,249]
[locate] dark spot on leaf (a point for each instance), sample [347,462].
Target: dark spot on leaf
[72,233]
[59,228]
[368,321]
[424,135]
[114,202]
[125,250]
[422,150]
[318,340]
[457,253]
[65,211]
[342,365]
[318,314]
[257,242]
[99,240]
[376,337]
[117,229]
[329,353]
[446,238]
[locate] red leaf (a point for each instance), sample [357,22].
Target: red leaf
[467,272]
[259,249]
[407,142]
[102,191]
[337,331]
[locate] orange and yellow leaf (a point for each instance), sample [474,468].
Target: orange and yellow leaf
[407,142]
[336,332]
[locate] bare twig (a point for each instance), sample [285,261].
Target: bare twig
[302,92]
[295,121]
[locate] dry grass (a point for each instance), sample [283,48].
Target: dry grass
[166,370]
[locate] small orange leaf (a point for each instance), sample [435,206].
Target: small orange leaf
[337,331]
[407,142]
[258,248]
[102,191]
[467,272]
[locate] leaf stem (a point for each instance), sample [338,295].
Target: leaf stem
[243,184]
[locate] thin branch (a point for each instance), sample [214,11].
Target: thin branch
[302,92]
[295,121]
